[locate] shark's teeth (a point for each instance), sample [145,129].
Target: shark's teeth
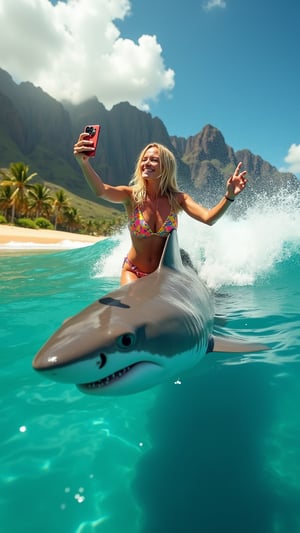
[108,379]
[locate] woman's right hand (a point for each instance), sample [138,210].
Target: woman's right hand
[83,147]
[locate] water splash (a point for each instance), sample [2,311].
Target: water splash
[233,251]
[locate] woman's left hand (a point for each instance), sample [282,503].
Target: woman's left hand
[237,182]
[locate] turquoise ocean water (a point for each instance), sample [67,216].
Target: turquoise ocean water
[216,452]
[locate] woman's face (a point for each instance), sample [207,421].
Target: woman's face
[150,164]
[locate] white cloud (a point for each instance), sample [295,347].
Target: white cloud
[293,159]
[74,50]
[212,4]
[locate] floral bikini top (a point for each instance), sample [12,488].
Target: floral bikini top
[140,228]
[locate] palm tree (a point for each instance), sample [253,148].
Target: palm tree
[17,176]
[61,203]
[90,226]
[72,219]
[6,199]
[40,200]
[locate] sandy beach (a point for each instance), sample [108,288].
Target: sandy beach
[12,237]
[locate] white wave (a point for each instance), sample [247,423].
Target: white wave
[235,251]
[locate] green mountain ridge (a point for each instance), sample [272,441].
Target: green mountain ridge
[38,130]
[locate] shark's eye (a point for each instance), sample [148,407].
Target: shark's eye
[126,341]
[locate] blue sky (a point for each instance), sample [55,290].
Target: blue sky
[236,67]
[230,63]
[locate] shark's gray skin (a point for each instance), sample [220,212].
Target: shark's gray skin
[138,336]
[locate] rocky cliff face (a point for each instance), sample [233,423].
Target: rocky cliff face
[125,131]
[207,145]
[32,117]
[40,131]
[211,161]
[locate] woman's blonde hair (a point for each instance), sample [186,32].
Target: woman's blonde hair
[168,181]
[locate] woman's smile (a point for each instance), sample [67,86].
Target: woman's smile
[150,164]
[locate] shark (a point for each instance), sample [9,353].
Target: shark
[140,335]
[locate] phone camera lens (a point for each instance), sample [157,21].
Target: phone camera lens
[90,130]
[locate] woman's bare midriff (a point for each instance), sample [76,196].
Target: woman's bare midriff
[146,253]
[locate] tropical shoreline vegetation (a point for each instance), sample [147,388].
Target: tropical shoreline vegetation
[33,205]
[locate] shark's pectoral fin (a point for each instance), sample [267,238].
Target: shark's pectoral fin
[223,344]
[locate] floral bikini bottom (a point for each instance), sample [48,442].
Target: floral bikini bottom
[133,268]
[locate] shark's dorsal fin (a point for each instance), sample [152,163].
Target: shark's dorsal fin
[171,257]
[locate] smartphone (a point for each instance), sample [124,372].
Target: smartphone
[94,132]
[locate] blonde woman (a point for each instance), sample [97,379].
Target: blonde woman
[152,201]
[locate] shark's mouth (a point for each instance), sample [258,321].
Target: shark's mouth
[108,380]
